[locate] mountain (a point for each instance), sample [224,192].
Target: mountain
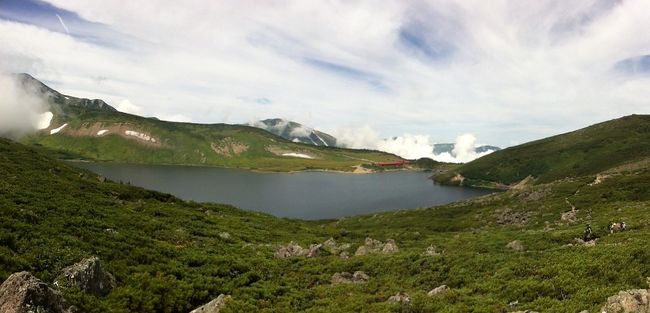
[93,130]
[514,250]
[582,152]
[440,148]
[60,102]
[296,132]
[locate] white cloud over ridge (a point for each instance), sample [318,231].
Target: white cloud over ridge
[506,70]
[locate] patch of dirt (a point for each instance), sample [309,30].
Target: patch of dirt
[228,147]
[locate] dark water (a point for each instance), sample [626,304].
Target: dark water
[306,195]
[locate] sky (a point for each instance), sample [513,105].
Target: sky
[505,72]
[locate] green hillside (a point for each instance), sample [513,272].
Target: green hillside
[95,131]
[169,255]
[583,152]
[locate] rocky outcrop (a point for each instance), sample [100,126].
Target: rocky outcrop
[390,247]
[331,246]
[515,245]
[438,290]
[89,276]
[213,306]
[290,250]
[629,301]
[314,250]
[371,246]
[358,277]
[400,298]
[24,293]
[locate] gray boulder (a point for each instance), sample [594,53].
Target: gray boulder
[400,298]
[438,290]
[89,276]
[628,301]
[290,250]
[24,293]
[515,245]
[390,247]
[213,306]
[358,277]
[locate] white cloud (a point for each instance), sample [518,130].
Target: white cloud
[127,107]
[506,69]
[22,108]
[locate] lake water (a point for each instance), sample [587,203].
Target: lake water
[306,195]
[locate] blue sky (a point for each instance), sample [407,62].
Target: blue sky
[505,71]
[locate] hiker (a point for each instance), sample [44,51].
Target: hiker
[588,234]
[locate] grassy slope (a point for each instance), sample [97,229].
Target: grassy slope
[168,256]
[185,143]
[583,152]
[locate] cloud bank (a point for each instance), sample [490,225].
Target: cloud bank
[22,108]
[408,146]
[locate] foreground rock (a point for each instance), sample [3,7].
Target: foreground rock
[213,306]
[629,301]
[24,293]
[89,276]
[358,277]
[400,298]
[438,290]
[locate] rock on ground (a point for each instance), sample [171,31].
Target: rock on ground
[314,250]
[213,306]
[24,293]
[515,245]
[390,247]
[629,301]
[89,276]
[358,277]
[438,290]
[375,246]
[401,298]
[290,250]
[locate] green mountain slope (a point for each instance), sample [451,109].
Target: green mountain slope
[583,152]
[90,129]
[169,255]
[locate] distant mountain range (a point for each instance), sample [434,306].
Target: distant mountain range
[93,130]
[296,132]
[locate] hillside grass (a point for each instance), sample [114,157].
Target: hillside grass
[583,152]
[168,255]
[189,144]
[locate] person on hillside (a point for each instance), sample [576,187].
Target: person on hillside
[588,234]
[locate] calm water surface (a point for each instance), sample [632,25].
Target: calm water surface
[306,195]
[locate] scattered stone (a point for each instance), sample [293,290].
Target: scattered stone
[290,250]
[331,246]
[515,245]
[344,255]
[569,216]
[314,250]
[224,235]
[89,276]
[24,293]
[431,251]
[390,247]
[373,244]
[400,298]
[111,231]
[527,311]
[629,301]
[101,179]
[358,277]
[438,290]
[507,217]
[590,243]
[213,306]
[362,250]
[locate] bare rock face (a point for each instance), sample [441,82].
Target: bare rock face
[213,306]
[89,276]
[629,301]
[24,293]
[515,245]
[400,298]
[438,290]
